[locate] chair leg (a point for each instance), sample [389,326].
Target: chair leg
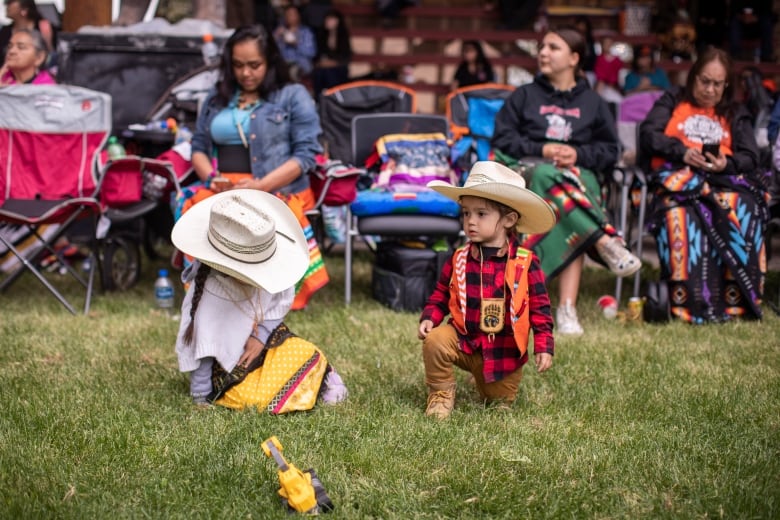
[640,233]
[348,258]
[625,193]
[27,265]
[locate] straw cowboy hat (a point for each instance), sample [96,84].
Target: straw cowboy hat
[247,234]
[494,181]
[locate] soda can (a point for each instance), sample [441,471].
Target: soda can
[634,312]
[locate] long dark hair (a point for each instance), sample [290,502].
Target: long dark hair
[587,60]
[200,283]
[483,63]
[343,50]
[725,106]
[575,40]
[277,73]
[32,10]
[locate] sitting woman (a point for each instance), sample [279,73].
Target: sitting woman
[334,51]
[24,14]
[259,130]
[24,58]
[645,74]
[559,118]
[474,67]
[710,206]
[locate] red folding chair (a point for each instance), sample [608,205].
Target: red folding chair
[50,137]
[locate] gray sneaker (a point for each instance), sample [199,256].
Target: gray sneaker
[566,320]
[618,258]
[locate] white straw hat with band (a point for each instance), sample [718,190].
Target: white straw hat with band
[248,234]
[496,182]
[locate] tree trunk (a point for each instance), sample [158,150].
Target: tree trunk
[239,12]
[86,12]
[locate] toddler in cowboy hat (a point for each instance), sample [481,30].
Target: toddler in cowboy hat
[492,289]
[250,252]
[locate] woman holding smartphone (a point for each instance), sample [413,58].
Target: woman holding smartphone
[259,130]
[710,203]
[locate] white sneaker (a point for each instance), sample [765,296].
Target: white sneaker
[566,320]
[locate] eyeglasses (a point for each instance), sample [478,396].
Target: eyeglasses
[707,82]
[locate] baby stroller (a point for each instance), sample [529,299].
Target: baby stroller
[136,193]
[137,190]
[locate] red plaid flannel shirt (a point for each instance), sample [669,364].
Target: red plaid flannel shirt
[501,357]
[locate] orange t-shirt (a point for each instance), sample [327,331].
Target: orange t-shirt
[694,126]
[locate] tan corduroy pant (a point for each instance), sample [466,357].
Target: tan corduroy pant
[441,353]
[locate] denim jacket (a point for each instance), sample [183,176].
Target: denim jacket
[285,125]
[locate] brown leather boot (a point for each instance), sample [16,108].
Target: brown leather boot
[441,400]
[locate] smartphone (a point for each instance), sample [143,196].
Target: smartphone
[222,181]
[713,148]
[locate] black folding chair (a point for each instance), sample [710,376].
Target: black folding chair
[366,129]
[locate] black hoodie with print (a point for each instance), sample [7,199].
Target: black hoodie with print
[537,113]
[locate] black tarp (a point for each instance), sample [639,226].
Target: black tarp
[136,69]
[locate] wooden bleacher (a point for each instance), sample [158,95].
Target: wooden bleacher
[427,37]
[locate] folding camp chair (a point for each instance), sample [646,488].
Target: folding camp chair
[338,105]
[630,178]
[50,136]
[335,178]
[471,111]
[366,129]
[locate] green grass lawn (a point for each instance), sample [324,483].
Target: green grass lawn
[632,420]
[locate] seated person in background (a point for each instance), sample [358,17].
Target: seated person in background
[259,130]
[607,70]
[645,74]
[334,51]
[24,15]
[474,67]
[24,59]
[390,10]
[709,208]
[296,43]
[679,40]
[757,15]
[588,62]
[561,119]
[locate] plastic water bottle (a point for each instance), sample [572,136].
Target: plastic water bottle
[115,149]
[210,50]
[184,135]
[163,291]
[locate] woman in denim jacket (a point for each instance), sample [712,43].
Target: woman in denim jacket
[259,130]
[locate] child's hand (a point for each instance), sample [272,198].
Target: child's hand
[425,328]
[252,349]
[543,361]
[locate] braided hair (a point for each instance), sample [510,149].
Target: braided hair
[200,282]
